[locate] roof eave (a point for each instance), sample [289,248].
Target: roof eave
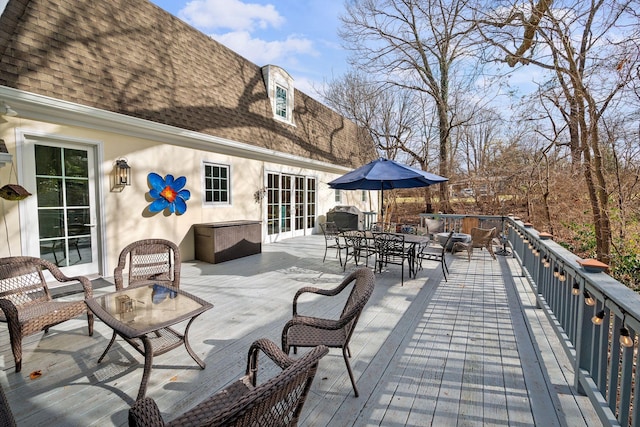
[38,107]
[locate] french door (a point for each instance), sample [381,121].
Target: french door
[61,220]
[291,205]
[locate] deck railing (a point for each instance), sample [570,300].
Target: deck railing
[604,369]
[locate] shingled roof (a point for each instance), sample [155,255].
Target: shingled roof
[133,58]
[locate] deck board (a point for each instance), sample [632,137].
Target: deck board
[467,352]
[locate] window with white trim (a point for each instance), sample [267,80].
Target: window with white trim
[281,102]
[338,196]
[217,184]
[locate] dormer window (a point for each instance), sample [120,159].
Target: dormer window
[280,89]
[281,102]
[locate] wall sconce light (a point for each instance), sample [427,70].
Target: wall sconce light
[588,299]
[575,290]
[625,339]
[123,173]
[5,110]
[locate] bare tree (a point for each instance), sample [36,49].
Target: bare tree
[417,45]
[393,116]
[589,48]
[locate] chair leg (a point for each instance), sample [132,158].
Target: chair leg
[444,265]
[346,361]
[15,337]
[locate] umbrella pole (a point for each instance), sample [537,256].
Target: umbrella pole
[382,203]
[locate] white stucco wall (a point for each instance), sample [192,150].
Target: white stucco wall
[124,213]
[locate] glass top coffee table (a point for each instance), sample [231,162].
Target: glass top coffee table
[143,316]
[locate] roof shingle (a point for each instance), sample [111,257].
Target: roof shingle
[131,57]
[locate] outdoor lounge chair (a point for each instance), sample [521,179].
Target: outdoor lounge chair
[276,402]
[27,305]
[480,238]
[156,260]
[304,331]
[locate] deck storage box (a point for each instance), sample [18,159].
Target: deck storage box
[223,241]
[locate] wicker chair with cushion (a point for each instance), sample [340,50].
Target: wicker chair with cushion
[276,402]
[6,416]
[480,238]
[147,260]
[26,303]
[305,331]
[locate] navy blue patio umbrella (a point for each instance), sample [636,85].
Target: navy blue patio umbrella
[384,174]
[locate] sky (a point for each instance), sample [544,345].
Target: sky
[297,35]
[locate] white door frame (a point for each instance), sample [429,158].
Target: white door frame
[292,232]
[25,141]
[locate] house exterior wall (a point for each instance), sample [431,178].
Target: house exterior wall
[124,216]
[135,82]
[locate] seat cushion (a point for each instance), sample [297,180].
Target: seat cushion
[309,336]
[35,317]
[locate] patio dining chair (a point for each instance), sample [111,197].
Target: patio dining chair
[408,229]
[360,245]
[147,260]
[383,227]
[306,331]
[391,249]
[331,234]
[434,226]
[27,305]
[434,251]
[276,402]
[480,238]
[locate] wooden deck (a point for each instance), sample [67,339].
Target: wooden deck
[468,352]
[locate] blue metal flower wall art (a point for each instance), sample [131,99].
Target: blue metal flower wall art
[168,193]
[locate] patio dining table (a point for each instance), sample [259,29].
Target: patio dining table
[412,242]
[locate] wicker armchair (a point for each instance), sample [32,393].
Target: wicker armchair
[26,303]
[276,402]
[480,238]
[304,331]
[149,259]
[6,416]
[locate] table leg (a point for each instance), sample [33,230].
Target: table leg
[104,353]
[148,360]
[193,355]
